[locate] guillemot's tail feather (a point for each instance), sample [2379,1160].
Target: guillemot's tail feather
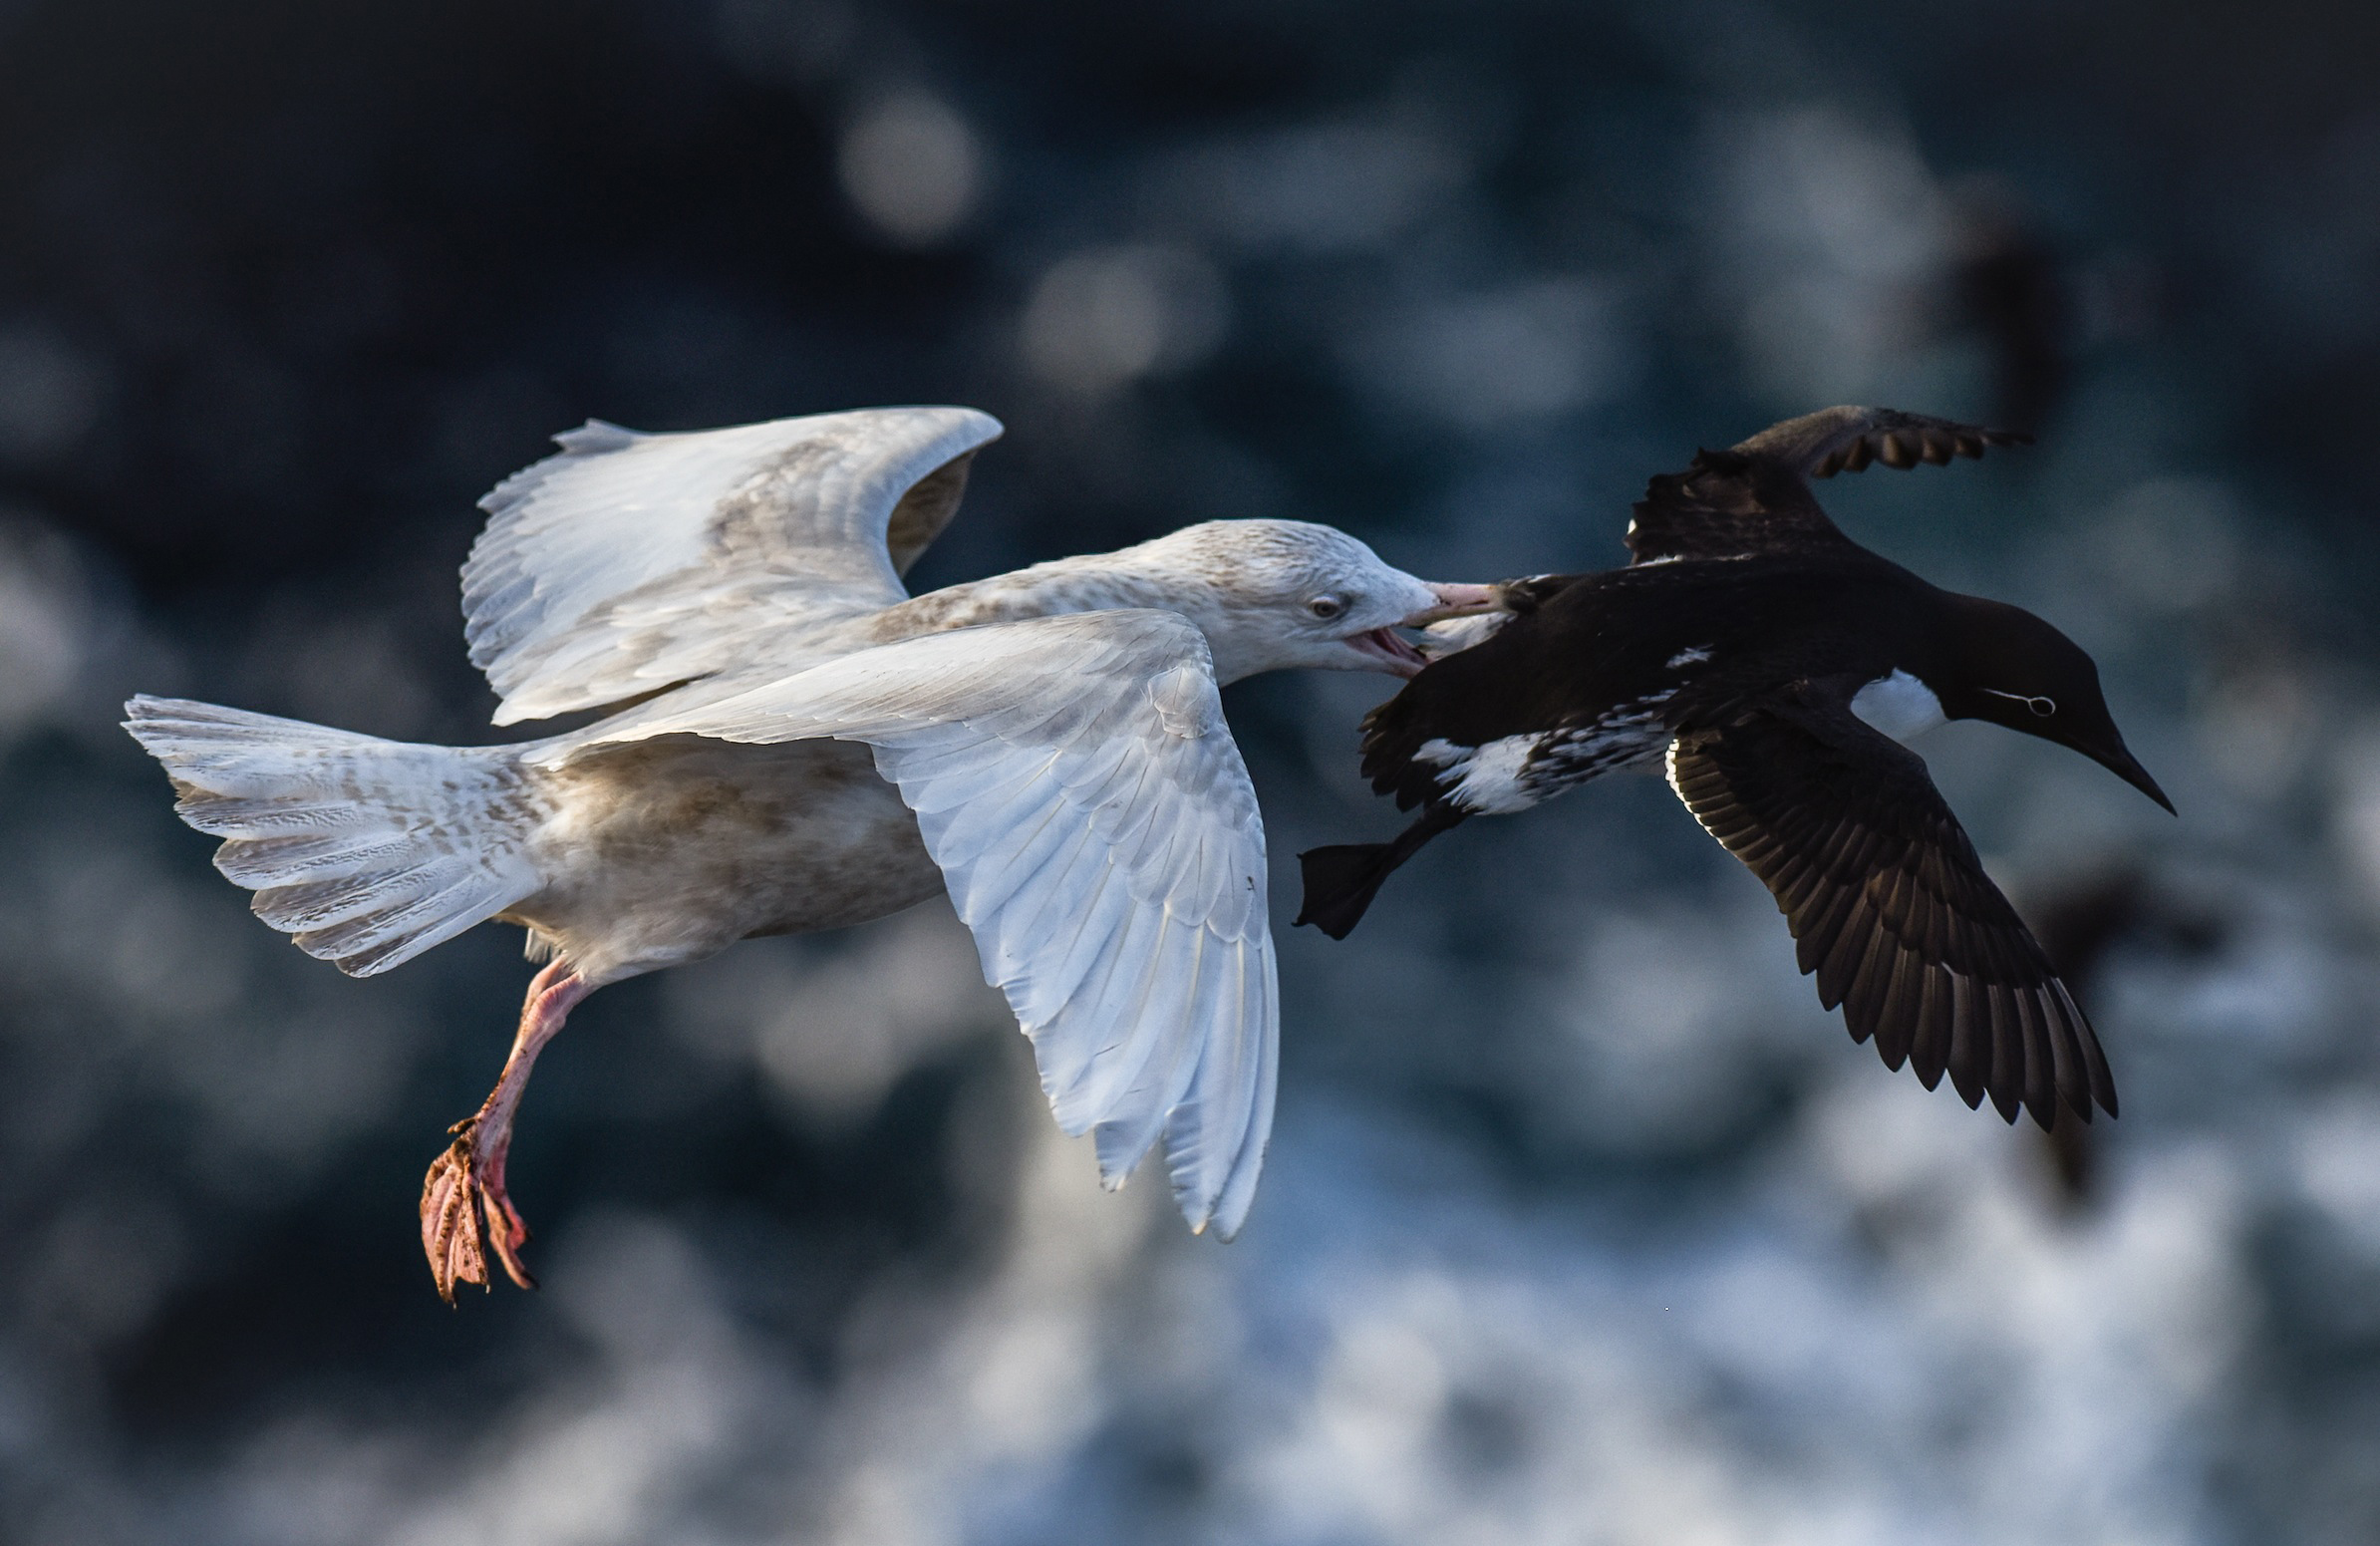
[1342,880]
[369,851]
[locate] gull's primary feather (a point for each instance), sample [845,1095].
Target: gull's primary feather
[631,561]
[1071,767]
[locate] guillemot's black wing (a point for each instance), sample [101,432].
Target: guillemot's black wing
[1891,908]
[1754,498]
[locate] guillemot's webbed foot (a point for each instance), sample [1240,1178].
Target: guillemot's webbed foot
[1342,881]
[466,1213]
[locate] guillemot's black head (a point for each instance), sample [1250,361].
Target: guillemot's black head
[2013,669]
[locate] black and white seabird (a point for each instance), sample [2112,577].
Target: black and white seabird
[1776,666]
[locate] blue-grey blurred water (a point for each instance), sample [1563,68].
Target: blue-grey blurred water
[1582,1222]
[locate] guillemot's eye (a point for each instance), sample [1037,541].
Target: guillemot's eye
[2042,706]
[1325,607]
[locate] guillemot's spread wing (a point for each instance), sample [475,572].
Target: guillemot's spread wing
[1076,780]
[1754,498]
[1847,439]
[631,561]
[1891,908]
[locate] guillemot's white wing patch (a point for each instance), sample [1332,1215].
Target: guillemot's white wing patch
[1514,772]
[1898,705]
[1074,778]
[1688,656]
[630,561]
[1490,779]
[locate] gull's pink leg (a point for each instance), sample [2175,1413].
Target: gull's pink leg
[467,1180]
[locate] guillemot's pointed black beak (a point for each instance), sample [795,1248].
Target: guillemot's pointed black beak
[2120,762]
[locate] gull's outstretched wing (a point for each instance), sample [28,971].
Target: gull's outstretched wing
[1754,498]
[631,561]
[1890,907]
[1076,780]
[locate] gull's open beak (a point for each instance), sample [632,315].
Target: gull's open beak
[1456,601]
[1395,655]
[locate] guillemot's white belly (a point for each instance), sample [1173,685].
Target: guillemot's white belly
[1898,705]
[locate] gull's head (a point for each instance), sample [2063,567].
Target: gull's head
[1275,594]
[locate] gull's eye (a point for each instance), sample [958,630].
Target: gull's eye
[1325,607]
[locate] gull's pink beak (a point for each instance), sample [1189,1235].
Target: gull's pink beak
[1456,601]
[1398,657]
[1389,648]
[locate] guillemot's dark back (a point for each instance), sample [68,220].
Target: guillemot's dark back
[1772,662]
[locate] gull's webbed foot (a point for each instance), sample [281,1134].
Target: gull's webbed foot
[463,1194]
[464,1212]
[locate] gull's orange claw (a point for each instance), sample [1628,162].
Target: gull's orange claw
[463,1193]
[461,1189]
[451,1222]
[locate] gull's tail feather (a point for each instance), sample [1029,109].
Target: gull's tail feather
[1342,880]
[368,851]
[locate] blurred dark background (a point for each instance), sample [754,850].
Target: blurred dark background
[1581,1223]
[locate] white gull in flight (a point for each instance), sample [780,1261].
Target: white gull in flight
[798,743]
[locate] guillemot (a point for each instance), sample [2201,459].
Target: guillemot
[1774,667]
[791,742]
